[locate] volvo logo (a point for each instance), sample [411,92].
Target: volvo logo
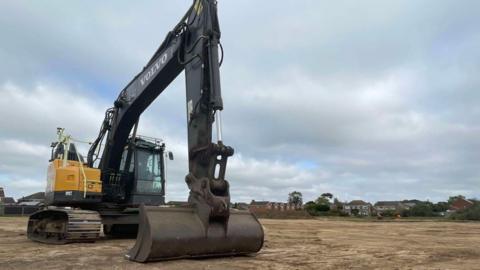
[154,69]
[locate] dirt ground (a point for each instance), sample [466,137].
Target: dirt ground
[290,244]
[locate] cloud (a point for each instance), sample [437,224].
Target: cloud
[20,187]
[28,126]
[33,114]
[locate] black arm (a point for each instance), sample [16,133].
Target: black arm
[192,45]
[161,70]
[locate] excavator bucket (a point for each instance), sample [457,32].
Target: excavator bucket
[178,232]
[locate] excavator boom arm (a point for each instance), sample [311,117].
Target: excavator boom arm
[191,46]
[161,70]
[207,227]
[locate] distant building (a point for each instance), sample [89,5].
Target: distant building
[5,200]
[177,203]
[259,206]
[358,207]
[394,206]
[38,198]
[407,204]
[239,206]
[460,204]
[266,206]
[387,206]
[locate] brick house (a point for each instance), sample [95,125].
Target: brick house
[259,206]
[357,207]
[7,200]
[384,206]
[38,197]
[239,206]
[407,204]
[460,204]
[394,206]
[266,206]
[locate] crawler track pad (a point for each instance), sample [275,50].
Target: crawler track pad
[177,232]
[63,226]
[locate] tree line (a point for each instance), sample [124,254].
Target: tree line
[327,205]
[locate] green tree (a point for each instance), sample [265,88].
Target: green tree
[322,200]
[323,204]
[327,195]
[295,197]
[323,207]
[440,207]
[318,207]
[422,209]
[388,213]
[311,208]
[338,204]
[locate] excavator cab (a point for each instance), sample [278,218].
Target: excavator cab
[141,175]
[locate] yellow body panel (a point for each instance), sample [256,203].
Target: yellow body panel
[71,177]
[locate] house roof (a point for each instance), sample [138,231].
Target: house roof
[387,203]
[278,202]
[7,200]
[409,205]
[357,202]
[241,203]
[412,201]
[460,203]
[34,196]
[259,202]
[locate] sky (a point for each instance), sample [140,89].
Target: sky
[373,100]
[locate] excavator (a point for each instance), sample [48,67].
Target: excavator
[122,186]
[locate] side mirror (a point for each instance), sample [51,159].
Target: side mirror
[170,155]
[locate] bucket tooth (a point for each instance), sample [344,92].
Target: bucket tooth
[177,232]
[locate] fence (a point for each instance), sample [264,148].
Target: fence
[18,210]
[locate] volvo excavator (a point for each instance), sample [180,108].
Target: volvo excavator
[121,184]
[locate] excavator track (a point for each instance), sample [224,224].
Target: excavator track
[62,226]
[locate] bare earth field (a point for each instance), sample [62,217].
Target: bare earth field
[290,244]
